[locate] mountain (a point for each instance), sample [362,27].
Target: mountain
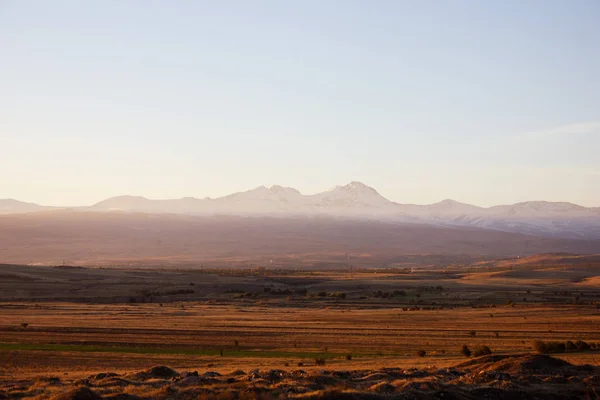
[123,203]
[446,208]
[357,200]
[260,200]
[186,205]
[533,209]
[354,197]
[11,206]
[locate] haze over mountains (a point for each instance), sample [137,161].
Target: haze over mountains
[359,201]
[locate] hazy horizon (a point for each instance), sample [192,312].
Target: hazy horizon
[269,187]
[484,103]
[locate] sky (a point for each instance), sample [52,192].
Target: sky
[485,102]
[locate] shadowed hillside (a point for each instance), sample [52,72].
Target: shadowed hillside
[97,238]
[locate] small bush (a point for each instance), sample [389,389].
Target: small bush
[539,346]
[348,357]
[319,361]
[421,353]
[24,325]
[465,351]
[472,333]
[549,347]
[582,346]
[482,351]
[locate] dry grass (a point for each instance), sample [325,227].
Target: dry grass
[434,310]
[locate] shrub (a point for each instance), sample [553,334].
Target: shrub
[421,353]
[472,333]
[555,347]
[24,325]
[549,347]
[319,361]
[582,346]
[348,357]
[465,351]
[482,351]
[539,346]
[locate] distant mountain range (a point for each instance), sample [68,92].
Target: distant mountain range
[357,200]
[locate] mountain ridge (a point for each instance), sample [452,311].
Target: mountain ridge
[358,200]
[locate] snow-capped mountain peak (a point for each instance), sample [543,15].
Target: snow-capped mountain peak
[359,188]
[354,194]
[355,199]
[282,189]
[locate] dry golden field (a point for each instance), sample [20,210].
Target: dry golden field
[62,326]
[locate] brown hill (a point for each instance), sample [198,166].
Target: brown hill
[104,238]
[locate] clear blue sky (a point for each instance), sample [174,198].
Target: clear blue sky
[485,102]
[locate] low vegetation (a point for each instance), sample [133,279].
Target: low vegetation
[482,351]
[465,351]
[562,347]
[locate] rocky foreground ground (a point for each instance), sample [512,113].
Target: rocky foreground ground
[524,376]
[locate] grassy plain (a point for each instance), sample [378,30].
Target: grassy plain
[72,323]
